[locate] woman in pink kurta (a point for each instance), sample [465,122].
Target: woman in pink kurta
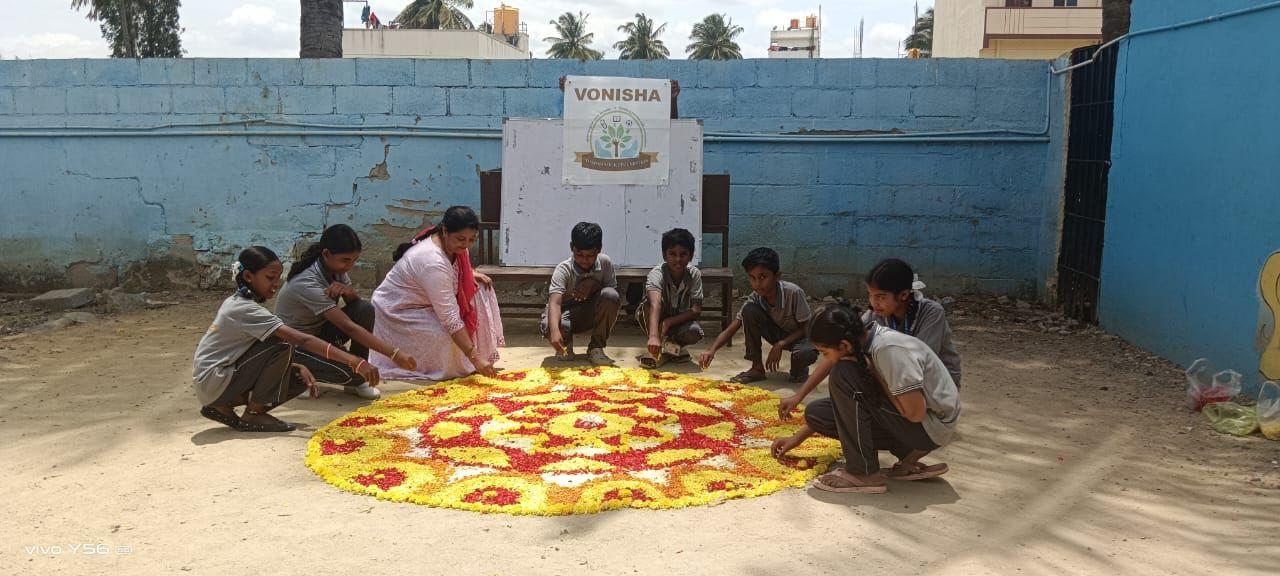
[434,307]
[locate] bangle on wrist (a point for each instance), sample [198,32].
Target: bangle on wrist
[394,353]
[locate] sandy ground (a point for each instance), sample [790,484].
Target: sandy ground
[1076,457]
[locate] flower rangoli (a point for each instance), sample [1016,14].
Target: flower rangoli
[572,441]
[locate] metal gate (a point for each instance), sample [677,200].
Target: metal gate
[1085,197]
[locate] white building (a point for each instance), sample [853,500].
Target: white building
[797,41]
[407,43]
[508,40]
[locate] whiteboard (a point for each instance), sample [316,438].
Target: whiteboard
[539,210]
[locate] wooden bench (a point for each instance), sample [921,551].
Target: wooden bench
[715,220]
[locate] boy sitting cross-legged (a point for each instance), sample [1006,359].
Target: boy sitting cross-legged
[672,302]
[776,311]
[583,296]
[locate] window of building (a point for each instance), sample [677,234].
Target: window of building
[1019,3]
[1062,3]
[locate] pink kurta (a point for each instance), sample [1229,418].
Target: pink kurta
[416,309]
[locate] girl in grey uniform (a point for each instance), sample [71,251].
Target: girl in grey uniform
[308,303]
[889,391]
[245,358]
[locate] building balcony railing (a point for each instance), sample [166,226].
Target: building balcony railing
[1042,23]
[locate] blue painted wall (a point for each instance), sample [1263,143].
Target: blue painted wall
[970,216]
[1195,185]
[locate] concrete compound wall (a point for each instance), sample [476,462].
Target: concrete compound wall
[1193,192]
[173,209]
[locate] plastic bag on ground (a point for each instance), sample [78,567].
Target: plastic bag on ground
[1268,410]
[1205,387]
[1231,418]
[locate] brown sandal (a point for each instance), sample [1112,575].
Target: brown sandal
[834,482]
[748,377]
[917,471]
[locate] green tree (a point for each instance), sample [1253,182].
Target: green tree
[320,29]
[922,34]
[436,14]
[573,40]
[160,31]
[713,39]
[642,41]
[137,28]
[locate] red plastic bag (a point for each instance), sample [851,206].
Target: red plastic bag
[1205,387]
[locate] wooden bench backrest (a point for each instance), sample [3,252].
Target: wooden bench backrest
[715,213]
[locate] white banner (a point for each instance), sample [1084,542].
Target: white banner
[616,130]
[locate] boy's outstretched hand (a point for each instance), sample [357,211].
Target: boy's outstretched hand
[788,405]
[705,358]
[781,446]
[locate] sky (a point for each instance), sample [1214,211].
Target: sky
[269,28]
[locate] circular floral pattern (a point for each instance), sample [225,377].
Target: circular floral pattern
[571,441]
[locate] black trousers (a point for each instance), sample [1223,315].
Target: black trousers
[863,426]
[263,375]
[758,325]
[333,371]
[596,315]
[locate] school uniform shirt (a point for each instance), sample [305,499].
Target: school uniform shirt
[929,324]
[239,323]
[791,311]
[301,303]
[908,364]
[677,296]
[564,279]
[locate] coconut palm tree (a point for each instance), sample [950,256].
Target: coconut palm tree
[642,41]
[573,40]
[713,39]
[436,14]
[320,29]
[922,34]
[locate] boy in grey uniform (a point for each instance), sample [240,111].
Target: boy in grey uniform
[673,301]
[583,296]
[778,312]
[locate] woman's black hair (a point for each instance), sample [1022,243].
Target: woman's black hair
[835,323]
[455,219]
[252,259]
[337,239]
[677,237]
[891,275]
